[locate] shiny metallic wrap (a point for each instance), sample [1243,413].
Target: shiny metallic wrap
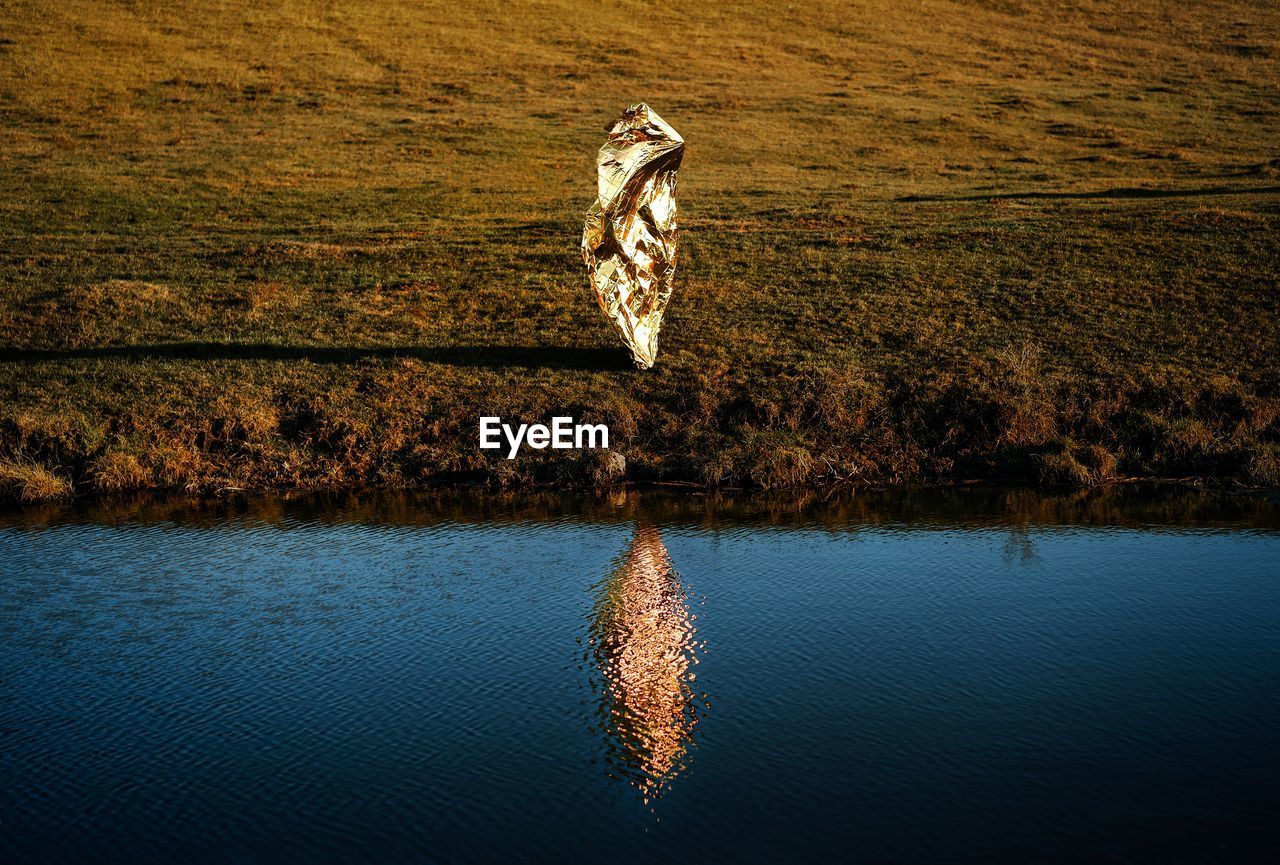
[629,240]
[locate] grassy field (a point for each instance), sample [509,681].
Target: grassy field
[265,245]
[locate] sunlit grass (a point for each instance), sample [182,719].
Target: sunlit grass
[258,245]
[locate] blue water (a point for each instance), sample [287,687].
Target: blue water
[929,678]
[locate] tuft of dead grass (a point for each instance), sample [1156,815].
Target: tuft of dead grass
[1029,415]
[28,481]
[775,464]
[118,471]
[1264,466]
[1077,465]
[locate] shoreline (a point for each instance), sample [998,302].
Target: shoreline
[479,484]
[398,422]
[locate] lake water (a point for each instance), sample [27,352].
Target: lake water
[979,676]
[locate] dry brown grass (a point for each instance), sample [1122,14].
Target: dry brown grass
[31,482]
[1072,464]
[118,471]
[294,244]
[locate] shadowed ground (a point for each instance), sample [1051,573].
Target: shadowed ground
[293,244]
[490,357]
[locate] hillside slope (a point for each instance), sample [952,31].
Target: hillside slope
[258,245]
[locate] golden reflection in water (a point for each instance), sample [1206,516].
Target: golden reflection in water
[644,647]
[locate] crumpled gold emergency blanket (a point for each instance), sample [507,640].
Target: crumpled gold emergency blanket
[629,240]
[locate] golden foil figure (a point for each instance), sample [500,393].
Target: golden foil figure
[644,648]
[629,240]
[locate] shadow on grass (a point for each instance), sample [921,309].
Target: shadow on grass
[486,356]
[1122,192]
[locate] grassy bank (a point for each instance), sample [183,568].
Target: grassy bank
[297,245]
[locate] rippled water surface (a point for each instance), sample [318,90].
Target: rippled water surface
[929,677]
